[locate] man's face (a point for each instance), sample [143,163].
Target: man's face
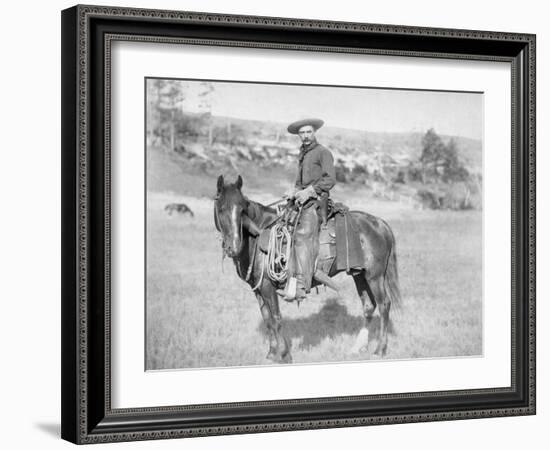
[307,134]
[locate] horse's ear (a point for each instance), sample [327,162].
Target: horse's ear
[239,182]
[220,183]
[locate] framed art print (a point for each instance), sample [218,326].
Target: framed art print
[278,224]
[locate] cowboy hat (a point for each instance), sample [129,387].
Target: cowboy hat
[294,127]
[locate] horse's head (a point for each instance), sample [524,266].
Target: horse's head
[228,209]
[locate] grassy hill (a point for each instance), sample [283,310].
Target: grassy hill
[171,172]
[266,156]
[345,139]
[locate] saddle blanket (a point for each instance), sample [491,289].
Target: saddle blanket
[349,255]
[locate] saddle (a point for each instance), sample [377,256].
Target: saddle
[339,242]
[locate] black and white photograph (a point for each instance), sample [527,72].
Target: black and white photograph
[275,225]
[299,224]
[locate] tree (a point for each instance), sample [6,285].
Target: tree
[206,101]
[440,160]
[453,169]
[166,100]
[433,150]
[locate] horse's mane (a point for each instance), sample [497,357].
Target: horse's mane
[258,212]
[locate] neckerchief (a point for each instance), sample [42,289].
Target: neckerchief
[304,149]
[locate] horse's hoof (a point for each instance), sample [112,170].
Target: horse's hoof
[361,342]
[287,359]
[358,351]
[277,359]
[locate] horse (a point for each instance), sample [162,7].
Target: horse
[180,208]
[238,218]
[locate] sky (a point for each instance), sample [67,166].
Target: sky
[369,109]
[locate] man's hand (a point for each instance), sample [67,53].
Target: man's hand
[290,193]
[305,194]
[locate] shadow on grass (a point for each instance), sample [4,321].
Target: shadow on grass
[331,321]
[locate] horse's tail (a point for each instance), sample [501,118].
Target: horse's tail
[392,278]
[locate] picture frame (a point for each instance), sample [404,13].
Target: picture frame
[88,33]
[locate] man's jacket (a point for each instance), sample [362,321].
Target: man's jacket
[316,168]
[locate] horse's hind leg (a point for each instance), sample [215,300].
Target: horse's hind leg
[373,294]
[384,304]
[369,305]
[367,297]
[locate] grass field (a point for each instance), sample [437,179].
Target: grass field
[200,314]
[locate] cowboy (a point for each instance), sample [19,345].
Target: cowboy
[316,176]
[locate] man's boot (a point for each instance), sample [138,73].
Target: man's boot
[294,290]
[304,255]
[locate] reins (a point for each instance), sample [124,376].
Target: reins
[276,202]
[278,250]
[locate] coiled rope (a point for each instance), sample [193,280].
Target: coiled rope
[277,259]
[278,252]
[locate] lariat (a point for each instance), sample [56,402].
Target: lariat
[276,262]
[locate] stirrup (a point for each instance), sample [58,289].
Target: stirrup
[291,292]
[297,298]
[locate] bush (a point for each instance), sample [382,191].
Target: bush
[455,196]
[429,199]
[340,174]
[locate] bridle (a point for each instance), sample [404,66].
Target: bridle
[254,251]
[219,228]
[279,244]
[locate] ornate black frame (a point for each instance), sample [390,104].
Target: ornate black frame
[87,31]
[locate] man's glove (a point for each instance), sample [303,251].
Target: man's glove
[305,194]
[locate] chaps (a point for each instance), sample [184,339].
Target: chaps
[306,245]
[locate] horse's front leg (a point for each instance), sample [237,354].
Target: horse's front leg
[266,315]
[279,347]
